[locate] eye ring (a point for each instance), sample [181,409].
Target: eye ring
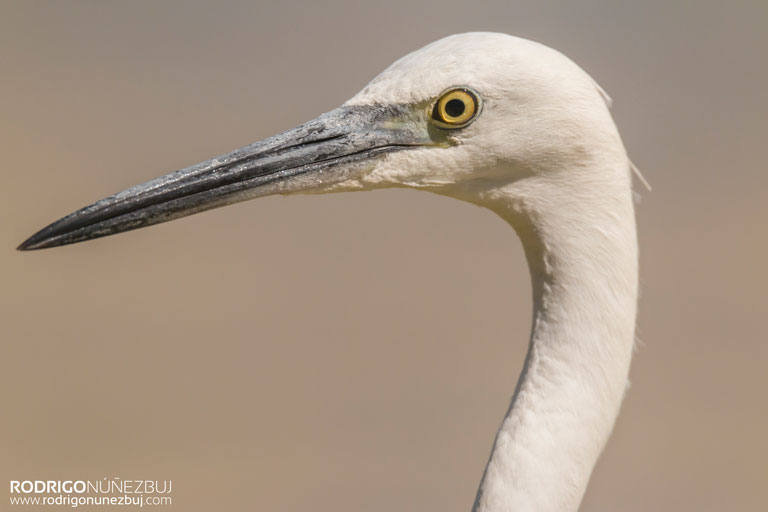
[455,108]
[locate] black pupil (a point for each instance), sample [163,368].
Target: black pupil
[454,108]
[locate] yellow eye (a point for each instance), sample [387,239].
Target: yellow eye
[455,108]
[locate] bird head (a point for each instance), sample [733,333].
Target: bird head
[464,116]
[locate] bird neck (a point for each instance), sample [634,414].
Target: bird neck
[582,253]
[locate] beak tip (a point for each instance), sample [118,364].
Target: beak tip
[27,245]
[33,243]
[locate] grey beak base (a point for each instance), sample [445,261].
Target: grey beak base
[340,137]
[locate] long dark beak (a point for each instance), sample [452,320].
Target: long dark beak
[327,150]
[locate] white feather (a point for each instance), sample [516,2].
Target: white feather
[546,156]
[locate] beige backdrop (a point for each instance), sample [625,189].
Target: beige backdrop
[356,352]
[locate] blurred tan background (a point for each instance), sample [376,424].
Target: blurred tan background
[357,352]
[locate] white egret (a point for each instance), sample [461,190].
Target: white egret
[504,123]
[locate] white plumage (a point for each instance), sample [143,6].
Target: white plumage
[540,150]
[544,155]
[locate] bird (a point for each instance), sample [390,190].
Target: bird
[507,124]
